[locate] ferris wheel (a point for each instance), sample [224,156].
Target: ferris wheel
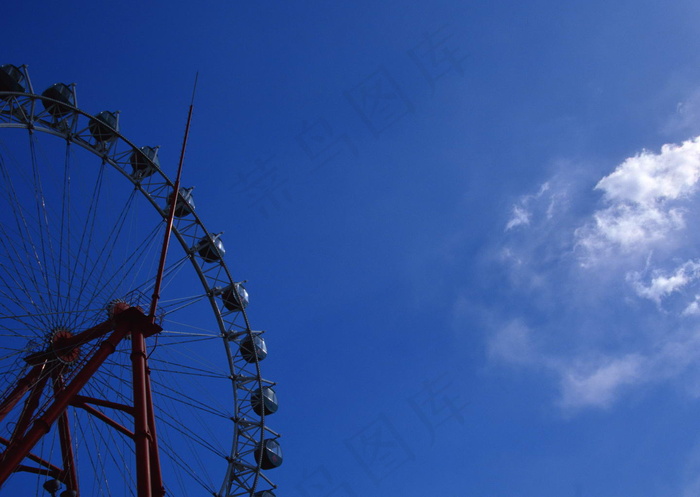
[125,368]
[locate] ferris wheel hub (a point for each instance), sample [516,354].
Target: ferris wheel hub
[116,306]
[64,354]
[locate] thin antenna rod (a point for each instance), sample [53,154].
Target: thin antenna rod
[171,215]
[194,89]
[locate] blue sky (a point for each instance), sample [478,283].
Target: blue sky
[467,227]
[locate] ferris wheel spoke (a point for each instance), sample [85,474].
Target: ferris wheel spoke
[58,217]
[40,321]
[8,295]
[94,438]
[174,371]
[212,401]
[95,459]
[103,258]
[14,353]
[21,319]
[18,339]
[173,306]
[169,272]
[11,255]
[136,261]
[27,268]
[194,465]
[12,250]
[19,305]
[188,434]
[182,342]
[186,334]
[186,370]
[175,393]
[118,456]
[186,466]
[110,283]
[178,396]
[107,381]
[64,230]
[190,357]
[42,217]
[85,243]
[200,331]
[23,233]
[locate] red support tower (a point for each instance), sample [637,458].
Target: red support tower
[131,322]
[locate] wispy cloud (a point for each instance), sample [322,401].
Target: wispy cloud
[663,284]
[522,209]
[590,377]
[692,309]
[600,382]
[686,119]
[520,216]
[597,385]
[512,344]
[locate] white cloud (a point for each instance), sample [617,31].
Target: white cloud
[692,309]
[686,118]
[544,187]
[512,344]
[627,227]
[691,473]
[589,271]
[520,216]
[661,284]
[642,196]
[648,178]
[598,385]
[590,377]
[522,211]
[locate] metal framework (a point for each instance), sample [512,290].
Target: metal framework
[241,469]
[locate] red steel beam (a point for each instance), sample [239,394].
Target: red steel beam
[23,385]
[158,489]
[103,417]
[66,344]
[81,399]
[30,406]
[39,471]
[18,450]
[141,425]
[32,457]
[70,476]
[131,321]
